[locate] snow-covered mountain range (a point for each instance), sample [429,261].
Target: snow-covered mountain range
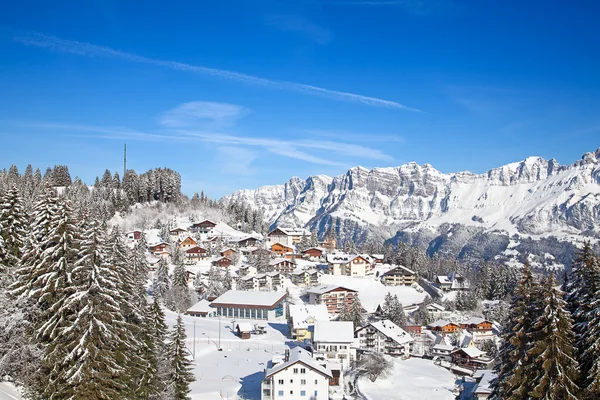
[533,197]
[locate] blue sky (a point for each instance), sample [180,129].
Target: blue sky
[239,94]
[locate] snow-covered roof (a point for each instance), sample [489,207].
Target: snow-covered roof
[321,249]
[440,323]
[203,306]
[484,384]
[443,347]
[326,289]
[340,258]
[244,327]
[241,297]
[472,352]
[301,313]
[298,355]
[304,271]
[437,306]
[392,331]
[378,256]
[334,332]
[475,321]
[401,268]
[280,260]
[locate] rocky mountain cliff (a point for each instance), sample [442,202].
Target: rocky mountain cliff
[534,197]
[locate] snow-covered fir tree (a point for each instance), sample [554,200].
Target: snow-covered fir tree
[554,369]
[13,227]
[353,312]
[178,298]
[162,282]
[181,374]
[91,341]
[513,369]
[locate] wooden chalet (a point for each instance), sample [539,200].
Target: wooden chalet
[247,242]
[414,330]
[228,253]
[313,252]
[477,325]
[187,242]
[283,265]
[134,235]
[203,227]
[196,253]
[177,231]
[261,251]
[399,276]
[222,262]
[443,327]
[244,330]
[281,249]
[160,248]
[471,357]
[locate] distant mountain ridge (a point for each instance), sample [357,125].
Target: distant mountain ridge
[531,197]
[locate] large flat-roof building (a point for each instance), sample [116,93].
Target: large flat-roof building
[250,305]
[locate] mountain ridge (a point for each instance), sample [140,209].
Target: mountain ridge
[534,197]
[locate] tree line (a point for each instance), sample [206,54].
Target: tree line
[75,322]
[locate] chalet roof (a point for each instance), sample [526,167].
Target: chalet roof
[298,355]
[206,220]
[203,306]
[399,268]
[472,352]
[178,229]
[321,249]
[440,323]
[158,244]
[378,256]
[195,248]
[326,289]
[240,297]
[334,332]
[244,327]
[301,313]
[437,306]
[443,347]
[292,231]
[222,258]
[305,271]
[339,258]
[392,331]
[280,260]
[282,245]
[475,321]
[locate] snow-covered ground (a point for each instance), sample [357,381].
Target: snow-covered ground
[412,379]
[8,391]
[238,369]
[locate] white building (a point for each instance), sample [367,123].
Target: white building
[348,264]
[333,296]
[299,377]
[385,337]
[333,341]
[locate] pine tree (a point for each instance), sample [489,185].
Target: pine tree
[353,312]
[162,283]
[13,224]
[149,384]
[584,284]
[513,381]
[553,367]
[92,340]
[181,374]
[590,343]
[397,314]
[179,295]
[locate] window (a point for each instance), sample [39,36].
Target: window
[316,382]
[303,393]
[316,393]
[302,370]
[295,370]
[303,381]
[291,381]
[280,393]
[281,381]
[291,392]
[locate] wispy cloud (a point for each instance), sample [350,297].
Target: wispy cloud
[323,152]
[340,135]
[300,25]
[87,49]
[211,114]
[236,160]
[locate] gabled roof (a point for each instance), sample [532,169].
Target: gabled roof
[326,289]
[222,258]
[280,260]
[472,352]
[321,249]
[391,331]
[441,323]
[437,306]
[339,258]
[484,378]
[399,268]
[475,321]
[203,306]
[195,248]
[334,332]
[282,245]
[178,229]
[299,355]
[443,347]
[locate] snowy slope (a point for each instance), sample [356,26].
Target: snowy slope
[532,197]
